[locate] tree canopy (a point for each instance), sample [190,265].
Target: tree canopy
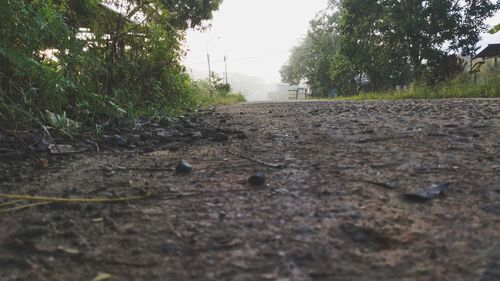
[95,58]
[310,61]
[384,43]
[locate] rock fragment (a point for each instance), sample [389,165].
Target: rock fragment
[183,167]
[258,179]
[220,137]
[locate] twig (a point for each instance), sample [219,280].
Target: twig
[10,203]
[93,143]
[133,169]
[125,263]
[72,200]
[370,140]
[22,207]
[275,166]
[146,169]
[380,184]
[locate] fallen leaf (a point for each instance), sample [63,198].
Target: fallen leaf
[427,193]
[68,250]
[101,276]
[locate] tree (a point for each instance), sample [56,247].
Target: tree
[393,41]
[125,60]
[218,84]
[310,61]
[343,75]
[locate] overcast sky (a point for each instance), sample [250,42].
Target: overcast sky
[256,36]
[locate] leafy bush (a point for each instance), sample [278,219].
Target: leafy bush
[486,85]
[119,65]
[215,93]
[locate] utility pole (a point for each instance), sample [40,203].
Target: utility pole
[225,66]
[209,69]
[208,56]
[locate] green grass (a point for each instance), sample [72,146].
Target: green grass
[486,86]
[219,99]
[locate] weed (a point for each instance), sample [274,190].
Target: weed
[483,85]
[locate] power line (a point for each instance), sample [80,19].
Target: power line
[241,59]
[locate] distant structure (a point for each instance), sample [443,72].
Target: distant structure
[490,52]
[300,92]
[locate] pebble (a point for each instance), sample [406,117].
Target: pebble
[119,140]
[258,179]
[184,167]
[242,136]
[188,124]
[221,137]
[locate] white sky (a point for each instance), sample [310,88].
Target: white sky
[257,35]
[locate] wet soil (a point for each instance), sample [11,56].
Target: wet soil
[350,194]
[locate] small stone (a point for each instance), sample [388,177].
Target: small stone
[184,167]
[119,140]
[242,136]
[221,137]
[188,124]
[258,179]
[197,135]
[173,146]
[115,140]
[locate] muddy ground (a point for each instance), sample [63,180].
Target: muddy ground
[344,199]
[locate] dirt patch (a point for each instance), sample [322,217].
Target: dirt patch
[334,205]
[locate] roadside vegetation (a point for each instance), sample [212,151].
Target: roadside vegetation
[71,64]
[461,87]
[369,49]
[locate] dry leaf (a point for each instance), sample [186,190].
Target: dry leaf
[101,276]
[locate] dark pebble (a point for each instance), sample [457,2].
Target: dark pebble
[220,137]
[258,179]
[183,167]
[119,140]
[242,136]
[188,124]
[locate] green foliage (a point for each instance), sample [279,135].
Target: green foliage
[122,64]
[359,45]
[310,61]
[219,85]
[394,42]
[495,29]
[62,123]
[484,86]
[215,92]
[218,99]
[342,74]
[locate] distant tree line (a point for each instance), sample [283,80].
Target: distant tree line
[377,45]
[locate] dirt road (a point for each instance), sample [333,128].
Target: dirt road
[403,190]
